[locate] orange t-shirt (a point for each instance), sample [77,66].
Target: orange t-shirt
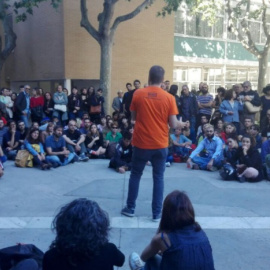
[153,106]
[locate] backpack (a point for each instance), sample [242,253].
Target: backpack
[111,150]
[22,158]
[227,172]
[10,256]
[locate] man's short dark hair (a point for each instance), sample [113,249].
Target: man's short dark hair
[57,127]
[127,136]
[156,75]
[138,81]
[128,84]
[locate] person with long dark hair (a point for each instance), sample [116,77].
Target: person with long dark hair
[81,242]
[48,105]
[34,146]
[173,91]
[180,240]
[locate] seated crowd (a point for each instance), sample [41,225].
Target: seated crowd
[220,133]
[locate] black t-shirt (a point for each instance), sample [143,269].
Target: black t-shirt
[73,136]
[108,257]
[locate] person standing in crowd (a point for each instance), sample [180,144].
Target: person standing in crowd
[152,108]
[209,153]
[179,244]
[117,101]
[60,105]
[219,98]
[57,153]
[230,108]
[128,98]
[189,110]
[84,100]
[248,95]
[6,99]
[167,85]
[129,88]
[74,104]
[205,103]
[23,105]
[173,91]
[48,105]
[82,232]
[36,105]
[248,122]
[97,106]
[238,88]
[265,100]
[265,155]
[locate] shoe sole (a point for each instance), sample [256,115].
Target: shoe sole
[127,214]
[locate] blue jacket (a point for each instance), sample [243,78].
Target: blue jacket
[226,106]
[32,151]
[265,150]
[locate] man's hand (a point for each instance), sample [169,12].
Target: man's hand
[189,163]
[77,147]
[210,164]
[247,98]
[230,112]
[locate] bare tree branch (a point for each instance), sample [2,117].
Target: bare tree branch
[264,23]
[106,17]
[86,23]
[130,15]
[248,45]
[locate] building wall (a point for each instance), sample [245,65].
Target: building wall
[39,54]
[139,43]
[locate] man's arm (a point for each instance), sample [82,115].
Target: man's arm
[174,123]
[51,153]
[81,139]
[219,149]
[68,140]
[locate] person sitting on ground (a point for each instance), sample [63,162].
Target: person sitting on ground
[248,122]
[181,144]
[209,153]
[94,142]
[102,124]
[249,167]
[254,132]
[125,126]
[265,155]
[202,135]
[186,130]
[57,153]
[75,141]
[204,120]
[266,127]
[3,130]
[179,243]
[35,125]
[46,133]
[122,159]
[82,232]
[86,127]
[229,128]
[34,146]
[107,128]
[11,143]
[23,131]
[113,135]
[3,159]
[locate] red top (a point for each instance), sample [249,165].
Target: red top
[36,101]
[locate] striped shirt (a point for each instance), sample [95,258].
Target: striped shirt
[204,99]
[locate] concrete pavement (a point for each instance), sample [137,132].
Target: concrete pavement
[235,216]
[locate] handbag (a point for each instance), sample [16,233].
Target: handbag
[95,109]
[60,107]
[251,108]
[22,159]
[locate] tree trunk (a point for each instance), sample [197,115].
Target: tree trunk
[263,64]
[106,70]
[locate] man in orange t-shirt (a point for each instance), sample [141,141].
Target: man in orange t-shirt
[153,109]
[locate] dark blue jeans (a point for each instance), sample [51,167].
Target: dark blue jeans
[139,159]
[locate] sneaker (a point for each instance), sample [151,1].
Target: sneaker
[83,157]
[127,212]
[242,179]
[92,152]
[76,158]
[135,262]
[156,218]
[213,169]
[55,165]
[168,164]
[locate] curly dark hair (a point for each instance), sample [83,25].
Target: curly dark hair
[177,212]
[82,229]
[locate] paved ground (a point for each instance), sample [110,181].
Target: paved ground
[235,216]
